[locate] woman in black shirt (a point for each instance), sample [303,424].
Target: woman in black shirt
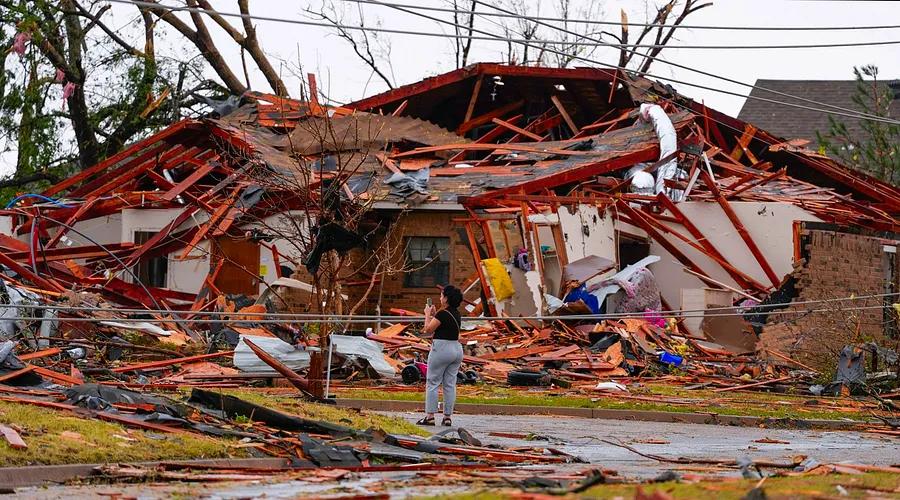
[446,354]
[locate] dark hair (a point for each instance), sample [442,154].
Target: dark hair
[454,295]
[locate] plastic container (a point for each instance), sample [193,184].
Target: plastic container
[670,359]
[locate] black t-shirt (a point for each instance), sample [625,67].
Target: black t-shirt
[449,328]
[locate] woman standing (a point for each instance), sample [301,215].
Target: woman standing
[446,354]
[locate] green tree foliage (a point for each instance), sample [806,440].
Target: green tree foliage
[875,150]
[77,84]
[75,90]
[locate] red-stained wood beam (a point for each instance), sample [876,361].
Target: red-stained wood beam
[152,154]
[583,172]
[739,226]
[472,100]
[66,253]
[172,156]
[737,275]
[189,181]
[169,362]
[83,209]
[488,137]
[159,236]
[487,117]
[639,220]
[517,130]
[27,274]
[565,115]
[120,156]
[758,182]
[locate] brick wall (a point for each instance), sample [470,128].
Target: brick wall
[835,264]
[394,294]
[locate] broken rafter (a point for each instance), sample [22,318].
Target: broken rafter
[742,231]
[487,117]
[565,115]
[741,278]
[517,130]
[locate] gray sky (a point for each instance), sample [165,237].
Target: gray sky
[345,78]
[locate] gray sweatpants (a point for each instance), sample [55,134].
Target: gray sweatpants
[443,365]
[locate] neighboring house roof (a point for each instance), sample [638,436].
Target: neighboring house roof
[797,123]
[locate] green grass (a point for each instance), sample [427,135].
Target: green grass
[757,404]
[776,487]
[361,420]
[56,437]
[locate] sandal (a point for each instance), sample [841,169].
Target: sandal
[446,422]
[426,421]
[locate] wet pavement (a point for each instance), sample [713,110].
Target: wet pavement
[582,437]
[576,436]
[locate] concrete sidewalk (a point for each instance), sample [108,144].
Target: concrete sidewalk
[606,413]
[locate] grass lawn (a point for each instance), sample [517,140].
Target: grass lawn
[880,485]
[285,400]
[669,398]
[58,437]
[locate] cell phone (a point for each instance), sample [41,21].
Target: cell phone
[428,302]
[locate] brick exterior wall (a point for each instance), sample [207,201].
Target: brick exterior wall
[835,264]
[425,223]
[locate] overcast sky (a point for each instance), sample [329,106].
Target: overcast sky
[345,78]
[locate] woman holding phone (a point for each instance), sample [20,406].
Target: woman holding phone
[445,356]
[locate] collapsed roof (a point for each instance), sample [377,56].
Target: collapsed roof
[483,136]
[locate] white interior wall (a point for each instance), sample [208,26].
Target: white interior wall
[587,230]
[103,230]
[769,224]
[6,225]
[289,253]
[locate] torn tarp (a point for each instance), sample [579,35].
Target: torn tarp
[361,347]
[405,185]
[247,361]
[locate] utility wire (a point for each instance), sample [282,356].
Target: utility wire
[542,42]
[532,45]
[495,38]
[647,25]
[660,59]
[419,319]
[851,298]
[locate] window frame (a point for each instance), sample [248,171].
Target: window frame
[408,276]
[139,267]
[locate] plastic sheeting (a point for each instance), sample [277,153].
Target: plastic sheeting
[361,347]
[404,185]
[247,361]
[668,144]
[15,296]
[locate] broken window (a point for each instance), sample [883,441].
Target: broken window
[151,272]
[429,262]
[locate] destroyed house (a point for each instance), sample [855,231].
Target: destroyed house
[536,190]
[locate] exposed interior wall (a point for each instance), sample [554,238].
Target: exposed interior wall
[770,225]
[103,230]
[184,275]
[6,224]
[587,230]
[289,254]
[837,263]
